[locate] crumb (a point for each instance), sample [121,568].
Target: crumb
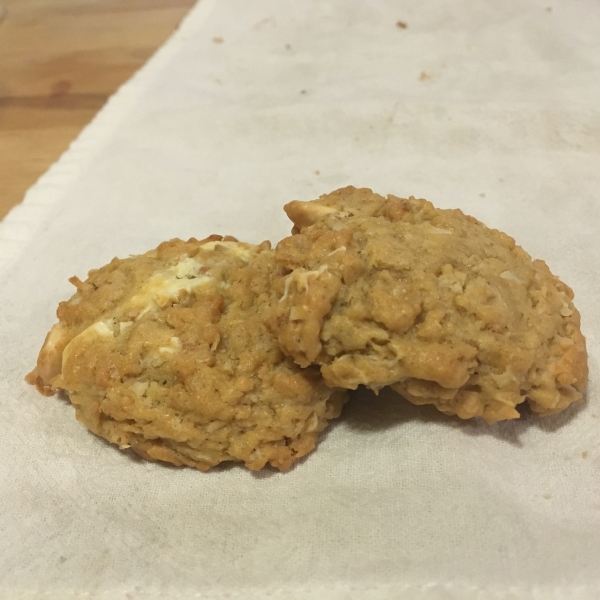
[424,76]
[546,496]
[584,454]
[266,21]
[401,25]
[217,40]
[482,195]
[317,172]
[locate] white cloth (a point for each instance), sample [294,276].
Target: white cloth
[492,107]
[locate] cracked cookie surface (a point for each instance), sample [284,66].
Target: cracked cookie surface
[394,292]
[167,353]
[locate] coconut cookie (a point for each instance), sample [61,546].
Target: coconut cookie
[394,292]
[167,353]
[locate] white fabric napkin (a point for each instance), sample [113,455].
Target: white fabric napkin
[492,107]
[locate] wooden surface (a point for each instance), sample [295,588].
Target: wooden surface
[60,60]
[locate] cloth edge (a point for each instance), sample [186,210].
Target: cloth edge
[25,219]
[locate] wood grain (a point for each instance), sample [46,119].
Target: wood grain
[60,60]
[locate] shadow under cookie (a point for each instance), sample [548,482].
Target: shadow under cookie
[367,413]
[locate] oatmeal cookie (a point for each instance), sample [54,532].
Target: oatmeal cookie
[167,353]
[394,292]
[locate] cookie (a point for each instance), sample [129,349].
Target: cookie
[167,353]
[394,292]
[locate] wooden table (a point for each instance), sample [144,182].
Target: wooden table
[60,60]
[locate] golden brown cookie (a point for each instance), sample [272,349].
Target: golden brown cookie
[167,353]
[394,292]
